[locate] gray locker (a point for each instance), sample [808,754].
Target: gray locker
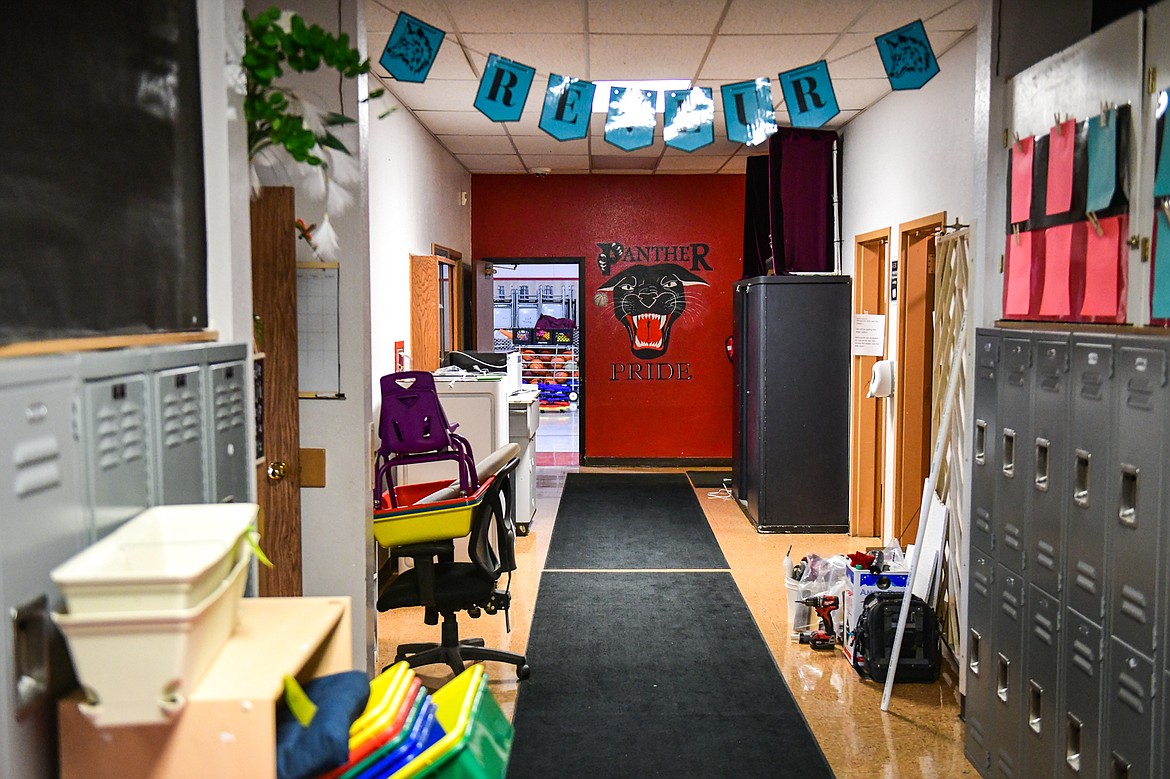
[1130,707]
[1142,424]
[1050,462]
[1014,486]
[228,463]
[1044,731]
[985,457]
[1083,671]
[42,524]
[177,407]
[979,710]
[116,437]
[1162,751]
[1092,412]
[1007,659]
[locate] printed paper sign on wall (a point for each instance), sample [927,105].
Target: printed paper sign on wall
[689,121]
[747,111]
[907,56]
[567,103]
[503,89]
[809,95]
[411,49]
[630,122]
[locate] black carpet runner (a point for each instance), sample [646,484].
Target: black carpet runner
[643,673]
[631,520]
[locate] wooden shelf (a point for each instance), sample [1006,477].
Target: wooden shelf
[228,727]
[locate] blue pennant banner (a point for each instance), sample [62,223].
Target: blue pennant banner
[907,56]
[411,49]
[503,89]
[689,121]
[567,104]
[808,93]
[630,122]
[747,111]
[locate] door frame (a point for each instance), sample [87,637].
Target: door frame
[914,375]
[581,314]
[867,428]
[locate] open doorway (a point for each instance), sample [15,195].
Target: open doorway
[536,312]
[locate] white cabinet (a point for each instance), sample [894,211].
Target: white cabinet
[480,407]
[524,419]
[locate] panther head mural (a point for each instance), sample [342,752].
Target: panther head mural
[647,299]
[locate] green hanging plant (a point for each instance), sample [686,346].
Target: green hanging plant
[273,42]
[281,121]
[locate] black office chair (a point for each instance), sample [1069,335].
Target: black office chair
[446,587]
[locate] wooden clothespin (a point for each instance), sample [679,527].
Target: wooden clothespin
[1059,126]
[1096,223]
[1016,233]
[1105,109]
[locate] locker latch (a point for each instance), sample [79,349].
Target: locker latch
[31,634]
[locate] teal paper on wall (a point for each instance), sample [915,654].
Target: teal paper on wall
[567,103]
[1102,160]
[809,95]
[630,122]
[689,120]
[411,49]
[907,56]
[503,89]
[748,112]
[1162,176]
[1160,307]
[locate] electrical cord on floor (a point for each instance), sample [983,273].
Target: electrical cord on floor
[722,494]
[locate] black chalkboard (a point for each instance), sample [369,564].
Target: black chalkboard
[102,227]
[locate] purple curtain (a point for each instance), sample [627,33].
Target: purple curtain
[800,188]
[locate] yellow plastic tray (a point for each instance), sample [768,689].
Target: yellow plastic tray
[413,524]
[454,702]
[387,692]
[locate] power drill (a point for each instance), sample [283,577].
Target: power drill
[826,637]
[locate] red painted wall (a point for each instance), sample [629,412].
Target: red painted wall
[656,404]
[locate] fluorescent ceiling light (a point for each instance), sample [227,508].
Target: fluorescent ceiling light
[662,85]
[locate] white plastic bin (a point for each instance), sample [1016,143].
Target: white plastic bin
[138,667]
[167,557]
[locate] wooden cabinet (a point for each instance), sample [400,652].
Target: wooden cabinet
[228,727]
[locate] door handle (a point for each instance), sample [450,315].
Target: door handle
[277,470]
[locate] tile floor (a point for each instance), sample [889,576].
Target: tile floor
[557,438]
[920,736]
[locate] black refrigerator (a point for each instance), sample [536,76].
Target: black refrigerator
[790,442]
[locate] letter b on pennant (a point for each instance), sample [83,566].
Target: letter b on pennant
[503,89]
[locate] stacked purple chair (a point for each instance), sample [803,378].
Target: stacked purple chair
[414,429]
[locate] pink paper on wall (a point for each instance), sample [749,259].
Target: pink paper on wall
[1102,264]
[1022,179]
[1061,140]
[1054,300]
[1017,297]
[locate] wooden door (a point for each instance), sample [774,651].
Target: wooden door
[274,304]
[427,312]
[868,417]
[913,388]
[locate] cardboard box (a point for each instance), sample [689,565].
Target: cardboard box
[858,584]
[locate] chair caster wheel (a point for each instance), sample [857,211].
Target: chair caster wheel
[523,672]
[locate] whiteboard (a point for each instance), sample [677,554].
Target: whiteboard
[318,346]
